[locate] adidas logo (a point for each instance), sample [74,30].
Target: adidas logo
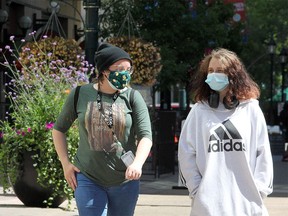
[226,138]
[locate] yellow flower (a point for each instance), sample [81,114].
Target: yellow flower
[67,91]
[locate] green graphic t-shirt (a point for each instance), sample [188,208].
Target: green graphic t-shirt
[96,154]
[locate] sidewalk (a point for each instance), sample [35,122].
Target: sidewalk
[157,198]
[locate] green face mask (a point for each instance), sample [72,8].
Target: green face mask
[119,79]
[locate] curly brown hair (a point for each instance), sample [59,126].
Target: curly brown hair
[241,85]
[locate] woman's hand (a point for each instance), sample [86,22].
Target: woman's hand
[69,173]
[60,143]
[134,171]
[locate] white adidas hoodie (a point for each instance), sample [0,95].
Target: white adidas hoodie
[225,159]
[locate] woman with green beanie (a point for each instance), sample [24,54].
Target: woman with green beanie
[115,138]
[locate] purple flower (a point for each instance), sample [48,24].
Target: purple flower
[32,33]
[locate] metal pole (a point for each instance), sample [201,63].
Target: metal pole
[283,59]
[283,82]
[91,29]
[271,88]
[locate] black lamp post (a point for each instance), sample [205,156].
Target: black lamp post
[91,29]
[3,20]
[283,60]
[271,50]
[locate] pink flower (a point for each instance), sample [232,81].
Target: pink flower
[29,130]
[49,125]
[21,132]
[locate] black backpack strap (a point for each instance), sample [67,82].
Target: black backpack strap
[76,96]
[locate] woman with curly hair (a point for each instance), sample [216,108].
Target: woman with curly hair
[224,150]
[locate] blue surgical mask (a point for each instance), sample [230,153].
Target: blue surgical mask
[217,81]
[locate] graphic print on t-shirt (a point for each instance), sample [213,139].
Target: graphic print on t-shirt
[99,134]
[226,138]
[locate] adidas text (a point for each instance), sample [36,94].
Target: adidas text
[226,145]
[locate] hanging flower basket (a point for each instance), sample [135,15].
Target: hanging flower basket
[146,59]
[64,52]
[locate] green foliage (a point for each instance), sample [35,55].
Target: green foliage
[265,19]
[181,37]
[36,98]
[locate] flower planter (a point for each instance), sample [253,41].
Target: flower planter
[41,75]
[28,190]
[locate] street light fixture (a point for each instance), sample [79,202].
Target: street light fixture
[54,7]
[283,60]
[271,46]
[3,20]
[3,16]
[271,51]
[25,23]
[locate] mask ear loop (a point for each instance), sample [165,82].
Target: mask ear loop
[234,103]
[104,73]
[213,99]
